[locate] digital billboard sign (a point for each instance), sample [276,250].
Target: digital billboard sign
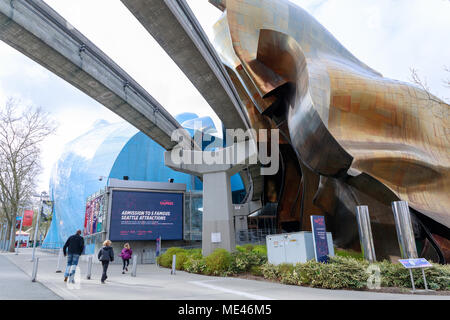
[145,215]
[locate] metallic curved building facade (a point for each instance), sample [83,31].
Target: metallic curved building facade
[350,136]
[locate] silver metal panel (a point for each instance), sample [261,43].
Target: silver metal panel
[405,233]
[365,233]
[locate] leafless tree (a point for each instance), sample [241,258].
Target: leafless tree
[422,83]
[447,81]
[21,134]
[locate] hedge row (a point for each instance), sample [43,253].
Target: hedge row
[342,272]
[247,258]
[346,272]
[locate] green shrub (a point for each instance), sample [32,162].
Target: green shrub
[270,271]
[285,268]
[195,253]
[248,247]
[395,275]
[349,254]
[195,265]
[165,260]
[243,261]
[218,262]
[256,271]
[260,249]
[350,273]
[181,259]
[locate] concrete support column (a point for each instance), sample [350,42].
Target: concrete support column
[218,225]
[216,168]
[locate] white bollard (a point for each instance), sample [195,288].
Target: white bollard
[35,269]
[133,270]
[60,257]
[174,264]
[89,268]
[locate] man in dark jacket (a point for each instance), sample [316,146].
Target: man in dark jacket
[105,255]
[73,249]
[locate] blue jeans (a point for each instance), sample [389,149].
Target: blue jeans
[72,260]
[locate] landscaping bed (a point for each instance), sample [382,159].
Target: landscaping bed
[344,271]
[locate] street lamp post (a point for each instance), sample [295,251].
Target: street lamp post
[41,196]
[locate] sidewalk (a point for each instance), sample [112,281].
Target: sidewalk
[153,283]
[15,284]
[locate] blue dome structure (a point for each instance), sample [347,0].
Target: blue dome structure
[112,151]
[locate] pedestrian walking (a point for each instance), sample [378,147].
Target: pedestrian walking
[73,248]
[126,256]
[106,255]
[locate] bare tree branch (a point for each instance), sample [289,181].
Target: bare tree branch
[20,137]
[422,83]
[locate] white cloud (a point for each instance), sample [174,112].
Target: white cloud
[391,36]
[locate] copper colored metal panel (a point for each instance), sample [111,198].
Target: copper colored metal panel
[342,116]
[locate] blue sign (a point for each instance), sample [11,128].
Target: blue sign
[145,215]
[319,233]
[415,263]
[18,218]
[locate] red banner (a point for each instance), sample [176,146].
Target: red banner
[28,218]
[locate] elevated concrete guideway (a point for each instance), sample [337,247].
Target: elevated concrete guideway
[37,31]
[174,26]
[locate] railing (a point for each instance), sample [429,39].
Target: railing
[253,236]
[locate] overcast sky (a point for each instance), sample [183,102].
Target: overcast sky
[390,36]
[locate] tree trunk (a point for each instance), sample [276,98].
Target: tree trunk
[12,237]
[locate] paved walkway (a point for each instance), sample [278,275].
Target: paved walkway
[15,284]
[153,283]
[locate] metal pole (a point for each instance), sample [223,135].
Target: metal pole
[190,212]
[412,280]
[20,232]
[365,233]
[133,269]
[1,236]
[89,272]
[405,233]
[36,227]
[35,269]
[424,279]
[174,264]
[58,266]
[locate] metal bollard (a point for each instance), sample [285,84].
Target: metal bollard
[58,265]
[1,236]
[89,268]
[134,267]
[174,264]
[424,279]
[35,269]
[405,233]
[365,233]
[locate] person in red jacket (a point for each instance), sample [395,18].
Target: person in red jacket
[126,256]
